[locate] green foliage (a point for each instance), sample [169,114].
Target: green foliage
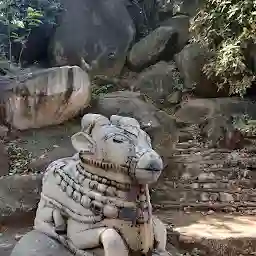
[245,124]
[227,28]
[98,91]
[11,18]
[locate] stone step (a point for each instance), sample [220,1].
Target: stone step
[225,174]
[238,183]
[213,234]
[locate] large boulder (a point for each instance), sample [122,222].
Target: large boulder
[190,62]
[97,32]
[195,111]
[180,24]
[217,119]
[160,126]
[45,97]
[158,82]
[38,244]
[159,44]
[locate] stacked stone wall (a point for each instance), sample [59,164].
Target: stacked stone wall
[210,178]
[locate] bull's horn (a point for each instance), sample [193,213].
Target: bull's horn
[90,120]
[123,121]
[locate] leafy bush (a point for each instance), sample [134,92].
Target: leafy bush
[18,25]
[17,20]
[227,28]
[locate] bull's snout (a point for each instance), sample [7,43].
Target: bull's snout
[154,166]
[149,167]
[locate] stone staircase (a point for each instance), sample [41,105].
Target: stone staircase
[207,197]
[206,178]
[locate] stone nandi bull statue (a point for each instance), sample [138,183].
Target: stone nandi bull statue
[97,202]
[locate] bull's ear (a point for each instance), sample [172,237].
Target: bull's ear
[83,142]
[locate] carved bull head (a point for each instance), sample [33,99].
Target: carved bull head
[119,141]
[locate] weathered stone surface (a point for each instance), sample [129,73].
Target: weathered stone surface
[46,97]
[162,128]
[175,97]
[180,24]
[190,62]
[158,82]
[35,243]
[219,131]
[11,235]
[149,49]
[19,194]
[4,161]
[102,39]
[195,111]
[215,120]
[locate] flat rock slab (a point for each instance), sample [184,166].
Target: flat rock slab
[42,146]
[9,237]
[19,194]
[214,234]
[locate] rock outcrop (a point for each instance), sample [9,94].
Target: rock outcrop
[190,62]
[158,44]
[158,83]
[46,97]
[101,39]
[180,24]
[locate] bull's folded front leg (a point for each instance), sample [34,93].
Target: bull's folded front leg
[83,237]
[45,218]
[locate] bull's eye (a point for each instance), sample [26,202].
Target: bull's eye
[117,140]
